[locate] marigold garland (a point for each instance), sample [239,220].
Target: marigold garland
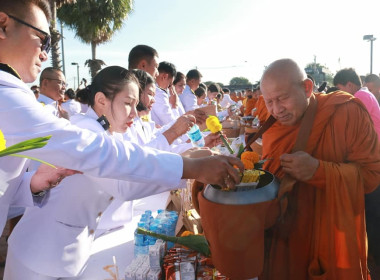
[247,164]
[250,156]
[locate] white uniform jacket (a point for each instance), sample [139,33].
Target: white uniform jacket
[188,99]
[95,154]
[149,136]
[56,239]
[145,134]
[162,112]
[72,107]
[227,101]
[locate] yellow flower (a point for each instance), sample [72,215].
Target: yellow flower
[2,141]
[213,124]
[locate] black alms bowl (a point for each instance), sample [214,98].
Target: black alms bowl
[266,190]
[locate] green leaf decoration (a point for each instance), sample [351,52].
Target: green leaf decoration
[33,158]
[241,150]
[259,164]
[225,142]
[195,242]
[30,144]
[26,145]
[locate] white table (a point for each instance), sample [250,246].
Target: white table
[119,243]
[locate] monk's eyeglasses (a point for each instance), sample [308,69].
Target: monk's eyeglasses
[45,41]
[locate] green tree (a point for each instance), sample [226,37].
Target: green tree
[320,73]
[239,81]
[55,35]
[95,22]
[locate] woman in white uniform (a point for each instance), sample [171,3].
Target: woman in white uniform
[55,241]
[146,134]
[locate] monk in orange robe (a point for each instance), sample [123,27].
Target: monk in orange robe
[261,110]
[323,234]
[249,105]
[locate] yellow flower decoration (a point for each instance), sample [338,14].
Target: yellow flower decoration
[2,141]
[213,124]
[251,156]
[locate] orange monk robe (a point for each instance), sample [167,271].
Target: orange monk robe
[234,98]
[326,237]
[261,110]
[249,105]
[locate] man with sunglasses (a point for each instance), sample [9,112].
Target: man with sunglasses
[24,44]
[52,91]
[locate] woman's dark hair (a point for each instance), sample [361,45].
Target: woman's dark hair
[203,85]
[178,77]
[144,79]
[111,80]
[199,92]
[213,88]
[70,93]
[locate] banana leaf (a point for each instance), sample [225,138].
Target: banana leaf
[195,242]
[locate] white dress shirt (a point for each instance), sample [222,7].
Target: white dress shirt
[22,118]
[72,107]
[162,112]
[188,99]
[49,104]
[63,230]
[227,101]
[179,111]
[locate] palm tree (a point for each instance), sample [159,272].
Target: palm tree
[55,35]
[95,22]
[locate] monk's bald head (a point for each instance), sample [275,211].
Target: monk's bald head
[286,90]
[286,69]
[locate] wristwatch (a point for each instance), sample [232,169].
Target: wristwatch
[39,194]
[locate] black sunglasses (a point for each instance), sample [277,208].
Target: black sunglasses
[46,41]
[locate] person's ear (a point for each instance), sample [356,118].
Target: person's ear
[44,83]
[309,87]
[100,101]
[142,64]
[4,19]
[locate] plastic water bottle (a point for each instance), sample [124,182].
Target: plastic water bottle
[196,136]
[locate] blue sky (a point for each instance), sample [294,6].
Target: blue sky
[224,39]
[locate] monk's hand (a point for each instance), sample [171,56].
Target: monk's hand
[299,165]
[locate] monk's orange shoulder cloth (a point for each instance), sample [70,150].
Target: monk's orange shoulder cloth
[249,105]
[323,235]
[261,110]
